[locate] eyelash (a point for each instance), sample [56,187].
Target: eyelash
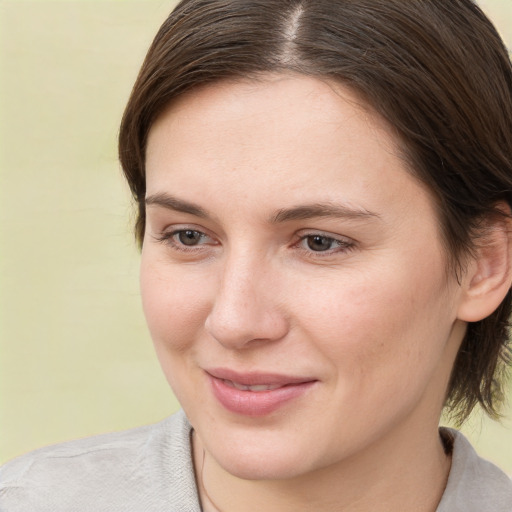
[342,245]
[168,238]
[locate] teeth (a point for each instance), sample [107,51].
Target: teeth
[259,387]
[263,387]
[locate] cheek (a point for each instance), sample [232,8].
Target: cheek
[175,305]
[174,302]
[381,330]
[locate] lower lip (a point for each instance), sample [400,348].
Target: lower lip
[256,403]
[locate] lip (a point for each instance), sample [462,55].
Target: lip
[255,403]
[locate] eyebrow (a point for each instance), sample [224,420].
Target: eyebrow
[301,212]
[172,203]
[322,210]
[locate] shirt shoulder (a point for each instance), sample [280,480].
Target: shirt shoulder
[147,468]
[474,484]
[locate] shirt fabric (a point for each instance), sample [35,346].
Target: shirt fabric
[150,469]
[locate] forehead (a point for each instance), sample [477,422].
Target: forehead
[313,139]
[253,102]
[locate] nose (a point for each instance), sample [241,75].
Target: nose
[245,309]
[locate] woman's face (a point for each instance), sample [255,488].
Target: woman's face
[293,276]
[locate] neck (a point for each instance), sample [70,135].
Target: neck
[400,472]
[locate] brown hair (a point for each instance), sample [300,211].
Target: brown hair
[436,70]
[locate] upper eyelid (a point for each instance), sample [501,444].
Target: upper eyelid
[167,238]
[176,228]
[161,224]
[173,232]
[312,232]
[299,235]
[344,243]
[156,208]
[327,234]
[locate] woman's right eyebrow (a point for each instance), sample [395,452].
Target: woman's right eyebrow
[172,203]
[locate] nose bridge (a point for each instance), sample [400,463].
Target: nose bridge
[245,306]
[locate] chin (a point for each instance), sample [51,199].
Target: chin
[267,455]
[261,466]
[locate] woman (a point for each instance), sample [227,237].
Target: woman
[323,192]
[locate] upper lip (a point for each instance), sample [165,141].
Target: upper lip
[256,378]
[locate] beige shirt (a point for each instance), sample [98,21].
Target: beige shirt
[149,469]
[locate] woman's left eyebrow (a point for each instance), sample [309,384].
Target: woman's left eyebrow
[310,211]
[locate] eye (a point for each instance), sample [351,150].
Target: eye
[322,243]
[185,239]
[189,237]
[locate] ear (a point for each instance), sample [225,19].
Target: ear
[488,277]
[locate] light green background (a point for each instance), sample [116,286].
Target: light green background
[75,357]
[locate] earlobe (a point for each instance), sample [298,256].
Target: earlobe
[489,276]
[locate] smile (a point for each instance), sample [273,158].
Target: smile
[256,388]
[256,394]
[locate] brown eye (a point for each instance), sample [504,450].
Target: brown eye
[320,243]
[189,237]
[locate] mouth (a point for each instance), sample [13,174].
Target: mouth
[256,394]
[256,388]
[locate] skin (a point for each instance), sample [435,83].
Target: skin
[375,318]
